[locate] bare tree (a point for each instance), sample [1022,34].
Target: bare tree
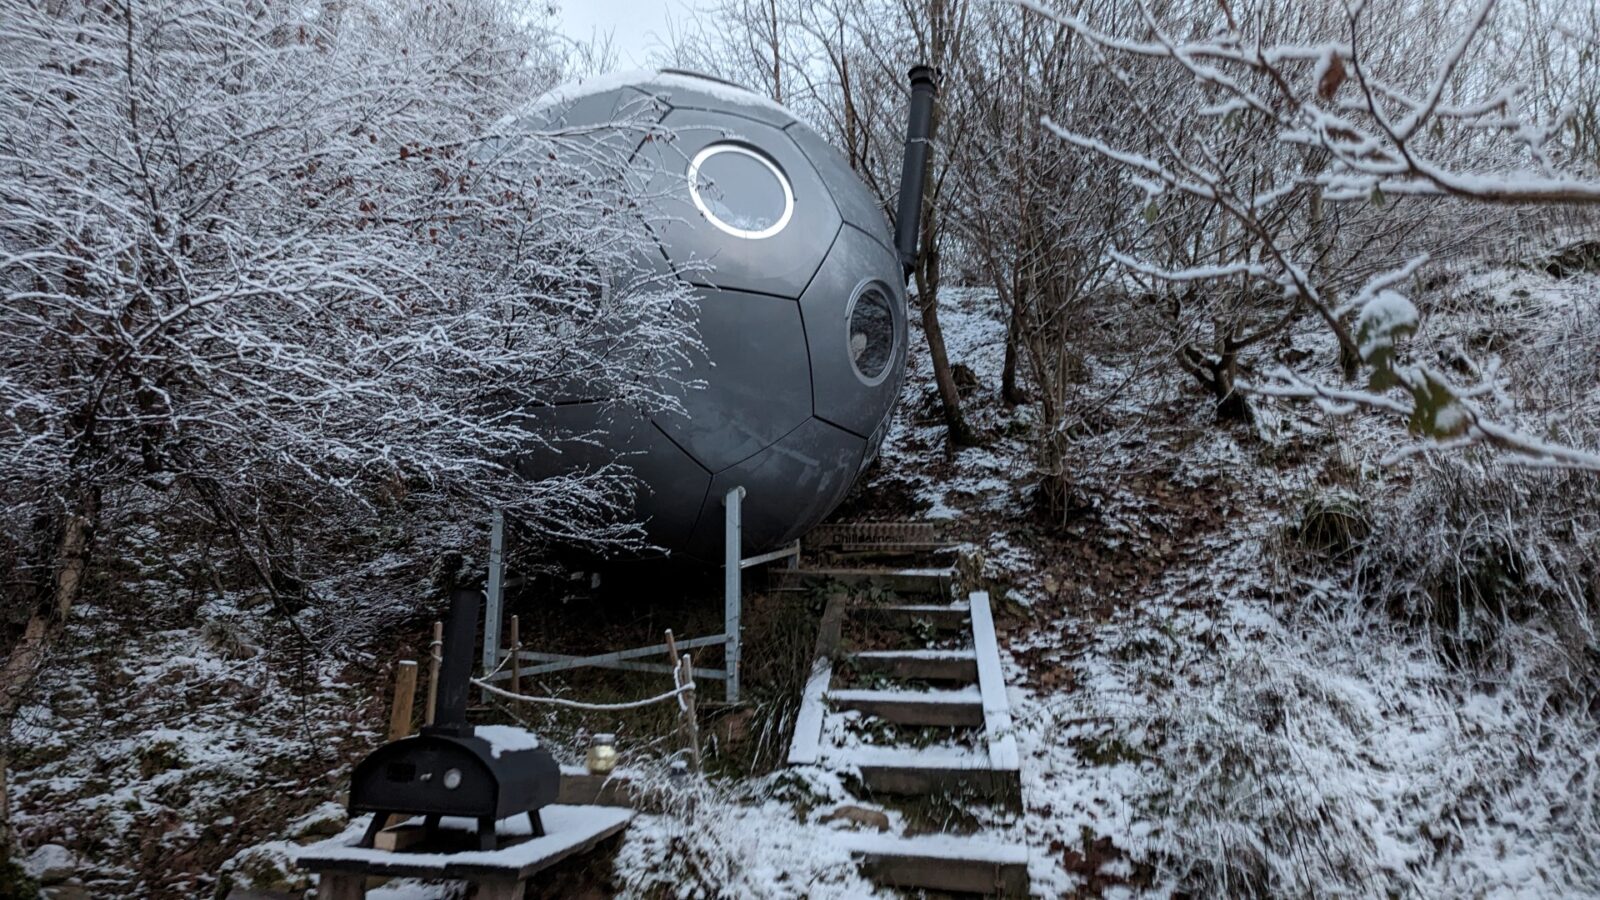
[297,258]
[1368,127]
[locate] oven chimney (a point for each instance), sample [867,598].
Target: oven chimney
[914,167]
[455,666]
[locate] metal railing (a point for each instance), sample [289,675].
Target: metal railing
[631,659]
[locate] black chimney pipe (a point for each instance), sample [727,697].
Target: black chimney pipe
[455,665]
[913,172]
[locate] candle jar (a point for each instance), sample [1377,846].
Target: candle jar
[602,756]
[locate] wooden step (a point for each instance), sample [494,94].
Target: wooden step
[930,665]
[805,747]
[992,684]
[941,616]
[923,582]
[944,863]
[957,708]
[824,537]
[932,770]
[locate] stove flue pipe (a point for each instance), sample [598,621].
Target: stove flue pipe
[455,665]
[914,168]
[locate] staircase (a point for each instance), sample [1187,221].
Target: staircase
[943,681]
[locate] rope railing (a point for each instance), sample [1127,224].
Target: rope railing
[576,704]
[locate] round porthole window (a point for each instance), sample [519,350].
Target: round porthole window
[740,191]
[872,332]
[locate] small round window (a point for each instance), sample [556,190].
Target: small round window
[871,332]
[740,191]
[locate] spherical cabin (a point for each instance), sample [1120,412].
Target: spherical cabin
[802,312]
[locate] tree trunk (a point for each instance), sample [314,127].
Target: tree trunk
[70,565]
[1010,391]
[927,268]
[927,277]
[71,562]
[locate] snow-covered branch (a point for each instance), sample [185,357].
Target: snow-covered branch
[315,255]
[1337,116]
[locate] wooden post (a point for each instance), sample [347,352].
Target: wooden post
[690,716]
[405,696]
[516,660]
[435,656]
[682,674]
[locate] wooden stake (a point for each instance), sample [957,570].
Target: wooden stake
[516,660]
[682,674]
[691,718]
[435,656]
[405,696]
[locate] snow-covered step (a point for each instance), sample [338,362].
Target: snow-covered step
[929,665]
[925,770]
[805,747]
[992,684]
[973,865]
[941,616]
[962,707]
[935,582]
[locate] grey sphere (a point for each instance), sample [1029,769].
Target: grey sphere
[802,311]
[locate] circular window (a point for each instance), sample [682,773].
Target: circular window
[871,332]
[741,191]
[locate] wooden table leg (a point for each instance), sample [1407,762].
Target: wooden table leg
[501,889]
[341,886]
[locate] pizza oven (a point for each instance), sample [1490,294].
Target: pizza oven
[450,769]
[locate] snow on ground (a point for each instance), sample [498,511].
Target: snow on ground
[1223,722]
[159,753]
[1190,708]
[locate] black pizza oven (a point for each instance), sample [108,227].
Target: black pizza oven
[448,770]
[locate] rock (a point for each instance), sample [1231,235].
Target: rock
[51,864]
[161,756]
[69,891]
[858,815]
[266,867]
[965,379]
[228,640]
[326,820]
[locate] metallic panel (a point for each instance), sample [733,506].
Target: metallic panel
[789,488]
[841,397]
[782,264]
[856,203]
[672,486]
[757,379]
[646,274]
[631,111]
[688,91]
[782,411]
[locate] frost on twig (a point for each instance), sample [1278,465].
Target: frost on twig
[299,270]
[1290,142]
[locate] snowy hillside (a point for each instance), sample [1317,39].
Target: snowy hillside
[1210,687]
[1236,532]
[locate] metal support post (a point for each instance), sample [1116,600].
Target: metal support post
[732,592]
[494,594]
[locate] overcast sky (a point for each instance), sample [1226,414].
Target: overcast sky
[637,26]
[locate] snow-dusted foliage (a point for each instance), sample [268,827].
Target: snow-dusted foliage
[281,279]
[304,246]
[1284,144]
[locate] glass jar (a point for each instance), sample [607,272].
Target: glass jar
[602,756]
